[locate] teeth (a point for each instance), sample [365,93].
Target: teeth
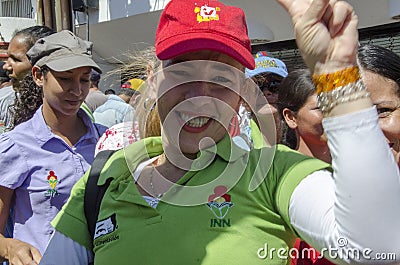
[197,122]
[194,122]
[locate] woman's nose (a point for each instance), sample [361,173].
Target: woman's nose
[7,65]
[76,88]
[197,89]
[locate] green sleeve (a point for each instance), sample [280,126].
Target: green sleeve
[71,220]
[85,107]
[256,136]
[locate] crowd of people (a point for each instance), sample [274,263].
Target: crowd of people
[220,156]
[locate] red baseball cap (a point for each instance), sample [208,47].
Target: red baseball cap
[194,25]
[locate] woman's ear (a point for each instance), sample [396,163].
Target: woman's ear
[37,75]
[290,118]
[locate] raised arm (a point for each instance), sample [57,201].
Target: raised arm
[361,203]
[326,33]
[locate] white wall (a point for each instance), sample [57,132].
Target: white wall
[8,25]
[131,24]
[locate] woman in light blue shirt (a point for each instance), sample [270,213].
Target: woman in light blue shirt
[42,158]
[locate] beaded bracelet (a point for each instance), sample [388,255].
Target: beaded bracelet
[339,87]
[350,92]
[330,81]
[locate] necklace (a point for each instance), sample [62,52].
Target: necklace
[156,197]
[154,194]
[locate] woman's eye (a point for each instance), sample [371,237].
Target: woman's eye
[63,78]
[85,80]
[384,112]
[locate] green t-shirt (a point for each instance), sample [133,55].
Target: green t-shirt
[256,136]
[234,227]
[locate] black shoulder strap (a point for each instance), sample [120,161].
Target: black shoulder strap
[93,193]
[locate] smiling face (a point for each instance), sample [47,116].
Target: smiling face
[17,63]
[63,92]
[385,95]
[197,99]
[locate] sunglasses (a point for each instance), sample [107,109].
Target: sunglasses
[271,86]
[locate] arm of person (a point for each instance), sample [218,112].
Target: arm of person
[13,250]
[365,191]
[327,37]
[73,252]
[5,201]
[354,213]
[13,172]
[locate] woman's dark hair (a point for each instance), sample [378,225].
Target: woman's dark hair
[293,93]
[109,91]
[381,61]
[29,98]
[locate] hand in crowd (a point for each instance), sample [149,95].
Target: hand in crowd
[326,33]
[21,253]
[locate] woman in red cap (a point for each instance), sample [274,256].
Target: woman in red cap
[192,196]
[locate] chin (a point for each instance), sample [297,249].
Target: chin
[71,112]
[189,147]
[193,146]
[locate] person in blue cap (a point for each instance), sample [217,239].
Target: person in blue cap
[267,75]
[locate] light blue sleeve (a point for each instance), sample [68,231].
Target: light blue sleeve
[13,163]
[73,252]
[127,114]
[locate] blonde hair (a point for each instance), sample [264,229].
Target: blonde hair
[137,65]
[141,64]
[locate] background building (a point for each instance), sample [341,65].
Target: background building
[120,27]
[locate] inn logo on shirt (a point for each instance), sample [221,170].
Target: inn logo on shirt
[219,203]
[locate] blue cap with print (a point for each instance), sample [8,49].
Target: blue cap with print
[266,64]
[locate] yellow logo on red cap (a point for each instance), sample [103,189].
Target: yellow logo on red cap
[206,13]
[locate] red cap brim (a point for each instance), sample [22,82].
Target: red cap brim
[197,41]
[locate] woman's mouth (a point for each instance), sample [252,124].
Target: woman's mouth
[74,102]
[195,125]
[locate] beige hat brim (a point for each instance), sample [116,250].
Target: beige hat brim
[71,62]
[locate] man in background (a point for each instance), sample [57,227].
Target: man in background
[95,98]
[268,75]
[6,98]
[116,109]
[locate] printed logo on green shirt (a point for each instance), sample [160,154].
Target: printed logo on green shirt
[219,203]
[105,226]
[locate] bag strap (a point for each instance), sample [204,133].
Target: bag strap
[94,193]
